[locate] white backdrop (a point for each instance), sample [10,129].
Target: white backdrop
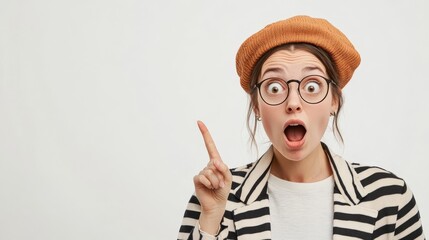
[99,102]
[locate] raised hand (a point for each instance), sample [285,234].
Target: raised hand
[212,186]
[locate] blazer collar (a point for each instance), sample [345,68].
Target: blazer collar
[346,178]
[255,182]
[254,185]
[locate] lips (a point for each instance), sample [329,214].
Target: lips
[295,131]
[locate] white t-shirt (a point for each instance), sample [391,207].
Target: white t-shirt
[301,210]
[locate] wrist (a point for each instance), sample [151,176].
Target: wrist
[210,223]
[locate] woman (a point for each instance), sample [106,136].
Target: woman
[293,71]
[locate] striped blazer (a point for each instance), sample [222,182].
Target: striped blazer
[369,203]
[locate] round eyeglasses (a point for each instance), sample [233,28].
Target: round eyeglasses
[312,89]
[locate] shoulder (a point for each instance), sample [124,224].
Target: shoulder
[392,198]
[372,174]
[378,182]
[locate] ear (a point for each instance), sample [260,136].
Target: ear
[334,104]
[256,110]
[333,109]
[255,105]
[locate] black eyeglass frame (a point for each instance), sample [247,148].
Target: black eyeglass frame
[258,85]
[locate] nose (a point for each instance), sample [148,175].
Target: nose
[293,101]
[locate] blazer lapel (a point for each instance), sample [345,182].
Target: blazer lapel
[256,180]
[353,221]
[350,219]
[252,220]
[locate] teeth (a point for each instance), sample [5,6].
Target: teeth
[294,124]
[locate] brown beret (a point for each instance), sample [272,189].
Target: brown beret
[298,29]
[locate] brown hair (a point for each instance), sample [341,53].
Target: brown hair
[331,70]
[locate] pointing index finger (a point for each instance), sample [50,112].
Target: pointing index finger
[208,141]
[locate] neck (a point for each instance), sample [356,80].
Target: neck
[313,168]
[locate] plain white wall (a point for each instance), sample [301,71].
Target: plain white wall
[99,102]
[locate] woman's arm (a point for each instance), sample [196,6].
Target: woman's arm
[408,223]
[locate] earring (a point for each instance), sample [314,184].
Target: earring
[332,114]
[258,118]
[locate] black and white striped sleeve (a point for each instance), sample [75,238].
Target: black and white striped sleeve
[408,223]
[189,229]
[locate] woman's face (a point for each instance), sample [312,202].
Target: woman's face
[294,127]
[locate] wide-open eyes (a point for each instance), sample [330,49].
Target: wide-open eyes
[274,86]
[312,89]
[312,85]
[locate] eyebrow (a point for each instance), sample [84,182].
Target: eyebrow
[281,70]
[272,69]
[311,68]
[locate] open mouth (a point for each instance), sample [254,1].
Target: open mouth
[295,132]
